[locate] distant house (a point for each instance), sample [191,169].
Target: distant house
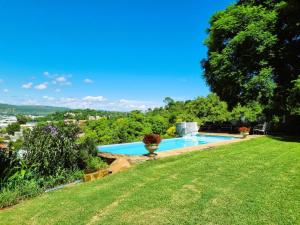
[29,125]
[7,120]
[82,122]
[91,118]
[70,121]
[94,117]
[70,115]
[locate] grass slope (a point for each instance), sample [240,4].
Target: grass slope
[253,182]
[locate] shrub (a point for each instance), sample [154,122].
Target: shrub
[8,163]
[51,149]
[54,151]
[12,193]
[61,177]
[12,128]
[151,139]
[87,149]
[171,131]
[8,197]
[95,163]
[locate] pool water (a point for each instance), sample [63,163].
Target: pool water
[138,148]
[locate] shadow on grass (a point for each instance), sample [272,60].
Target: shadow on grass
[286,138]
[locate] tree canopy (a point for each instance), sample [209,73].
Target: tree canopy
[253,55]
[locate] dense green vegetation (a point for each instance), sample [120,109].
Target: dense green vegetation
[80,114]
[134,125]
[29,109]
[254,57]
[12,128]
[50,155]
[232,184]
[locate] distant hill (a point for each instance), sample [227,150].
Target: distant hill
[36,110]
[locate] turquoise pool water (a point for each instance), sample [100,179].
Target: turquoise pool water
[137,148]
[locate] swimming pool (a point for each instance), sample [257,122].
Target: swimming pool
[137,148]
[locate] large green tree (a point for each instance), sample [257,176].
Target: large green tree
[254,54]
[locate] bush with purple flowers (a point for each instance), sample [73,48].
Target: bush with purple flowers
[54,149]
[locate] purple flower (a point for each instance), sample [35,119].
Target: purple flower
[51,129]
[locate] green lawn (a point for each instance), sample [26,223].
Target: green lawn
[252,182]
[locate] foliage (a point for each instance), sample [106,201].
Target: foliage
[62,177]
[253,55]
[80,114]
[11,195]
[151,139]
[249,113]
[8,163]
[209,109]
[25,184]
[171,131]
[95,163]
[134,125]
[15,146]
[52,155]
[12,128]
[52,150]
[230,70]
[293,99]
[22,119]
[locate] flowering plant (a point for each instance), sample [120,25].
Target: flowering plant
[152,139]
[51,129]
[244,129]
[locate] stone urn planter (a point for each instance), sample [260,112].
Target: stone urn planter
[151,148]
[244,134]
[244,131]
[152,142]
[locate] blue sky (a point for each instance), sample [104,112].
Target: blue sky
[116,55]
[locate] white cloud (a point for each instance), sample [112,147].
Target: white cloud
[88,81]
[27,85]
[68,100]
[5,90]
[135,104]
[61,79]
[94,99]
[58,79]
[41,86]
[46,73]
[57,90]
[48,98]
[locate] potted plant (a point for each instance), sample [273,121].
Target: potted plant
[152,142]
[244,131]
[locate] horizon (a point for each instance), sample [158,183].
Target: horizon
[112,56]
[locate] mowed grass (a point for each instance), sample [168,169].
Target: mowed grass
[251,182]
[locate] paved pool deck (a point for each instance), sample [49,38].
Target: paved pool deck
[173,152]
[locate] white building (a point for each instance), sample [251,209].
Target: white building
[7,120]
